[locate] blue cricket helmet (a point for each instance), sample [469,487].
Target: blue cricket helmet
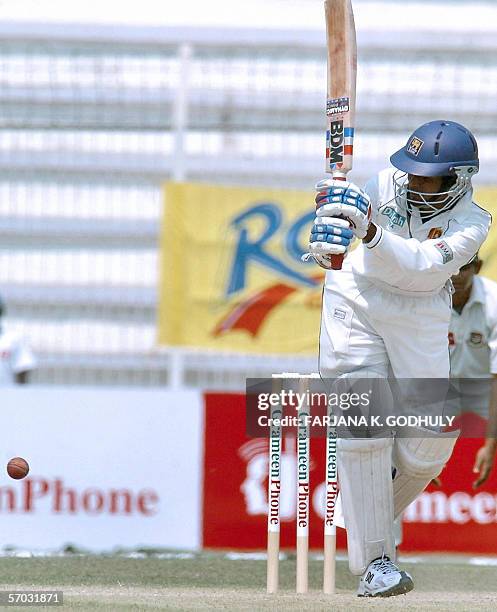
[437,148]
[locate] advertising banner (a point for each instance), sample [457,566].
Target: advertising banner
[236,484]
[453,517]
[231,271]
[486,197]
[109,468]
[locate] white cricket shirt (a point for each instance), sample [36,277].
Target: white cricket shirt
[412,256]
[15,356]
[473,333]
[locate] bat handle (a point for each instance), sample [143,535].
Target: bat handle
[337,260]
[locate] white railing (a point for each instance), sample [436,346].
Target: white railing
[94,119]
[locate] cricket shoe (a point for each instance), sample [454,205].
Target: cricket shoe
[384,579]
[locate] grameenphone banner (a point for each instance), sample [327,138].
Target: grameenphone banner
[110,468]
[453,517]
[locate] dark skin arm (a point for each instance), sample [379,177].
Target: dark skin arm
[485,457]
[370,234]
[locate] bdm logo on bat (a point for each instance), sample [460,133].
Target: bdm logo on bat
[337,106]
[334,143]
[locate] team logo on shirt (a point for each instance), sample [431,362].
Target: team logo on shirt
[415,145]
[476,339]
[435,233]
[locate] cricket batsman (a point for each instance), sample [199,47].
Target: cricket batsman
[388,311]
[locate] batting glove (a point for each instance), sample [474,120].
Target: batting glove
[329,236]
[346,200]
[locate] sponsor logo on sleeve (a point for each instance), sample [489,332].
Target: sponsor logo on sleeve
[339,314]
[415,146]
[445,250]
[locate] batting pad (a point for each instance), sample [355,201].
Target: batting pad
[418,460]
[365,474]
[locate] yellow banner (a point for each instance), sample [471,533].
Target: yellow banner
[486,197]
[231,274]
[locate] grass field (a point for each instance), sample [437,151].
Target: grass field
[218,582]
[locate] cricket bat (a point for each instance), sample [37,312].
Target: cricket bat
[341,90]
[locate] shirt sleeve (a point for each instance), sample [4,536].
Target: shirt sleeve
[492,344]
[491,312]
[372,188]
[424,266]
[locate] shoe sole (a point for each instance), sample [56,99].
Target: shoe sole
[404,586]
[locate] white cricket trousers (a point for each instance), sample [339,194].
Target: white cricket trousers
[366,326]
[368,331]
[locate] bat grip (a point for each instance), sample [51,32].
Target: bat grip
[337,260]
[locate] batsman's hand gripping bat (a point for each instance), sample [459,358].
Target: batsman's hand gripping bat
[341,90]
